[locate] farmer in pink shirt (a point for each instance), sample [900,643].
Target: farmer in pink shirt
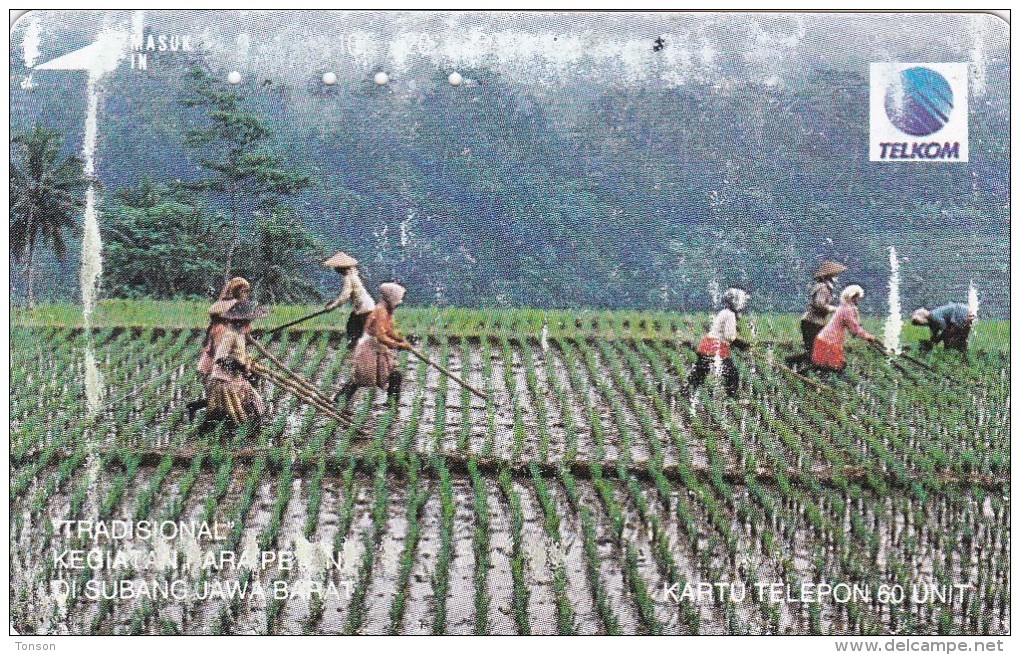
[828,350]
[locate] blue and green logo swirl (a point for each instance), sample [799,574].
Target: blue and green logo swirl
[919,102]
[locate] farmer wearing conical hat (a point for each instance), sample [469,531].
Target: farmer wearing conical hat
[236,289]
[231,394]
[375,364]
[827,353]
[819,308]
[949,324]
[352,291]
[721,335]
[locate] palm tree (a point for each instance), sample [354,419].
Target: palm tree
[47,196]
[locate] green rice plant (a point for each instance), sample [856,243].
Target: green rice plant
[418,495]
[441,577]
[638,586]
[564,406]
[610,622]
[380,502]
[344,520]
[346,512]
[439,426]
[490,404]
[538,402]
[464,435]
[315,497]
[517,557]
[480,546]
[356,614]
[564,610]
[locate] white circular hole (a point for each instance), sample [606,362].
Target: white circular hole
[329,79]
[456,79]
[234,77]
[381,78]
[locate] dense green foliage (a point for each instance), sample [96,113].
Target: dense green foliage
[493,194]
[47,196]
[159,243]
[234,146]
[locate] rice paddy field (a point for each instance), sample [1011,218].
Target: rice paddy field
[568,502]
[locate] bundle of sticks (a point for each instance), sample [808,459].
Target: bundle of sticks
[302,388]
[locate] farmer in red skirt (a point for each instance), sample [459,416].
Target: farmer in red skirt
[375,364]
[819,309]
[716,345]
[828,351]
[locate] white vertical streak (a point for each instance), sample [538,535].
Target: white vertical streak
[894,322]
[91,255]
[31,42]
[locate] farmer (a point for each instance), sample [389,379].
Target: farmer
[236,289]
[819,308]
[352,291]
[827,353]
[721,335]
[231,393]
[949,324]
[374,362]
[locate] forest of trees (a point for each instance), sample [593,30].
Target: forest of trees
[166,239]
[490,196]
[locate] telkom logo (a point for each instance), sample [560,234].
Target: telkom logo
[918,112]
[919,101]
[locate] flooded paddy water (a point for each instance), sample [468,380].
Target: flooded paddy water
[625,511]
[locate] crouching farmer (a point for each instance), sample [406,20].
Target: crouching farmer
[231,394]
[237,289]
[375,364]
[827,354]
[716,344]
[949,324]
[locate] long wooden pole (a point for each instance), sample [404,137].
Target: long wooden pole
[926,366]
[789,371]
[300,394]
[971,384]
[899,367]
[417,353]
[295,322]
[309,387]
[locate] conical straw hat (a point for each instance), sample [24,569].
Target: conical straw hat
[245,310]
[340,260]
[829,268]
[234,288]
